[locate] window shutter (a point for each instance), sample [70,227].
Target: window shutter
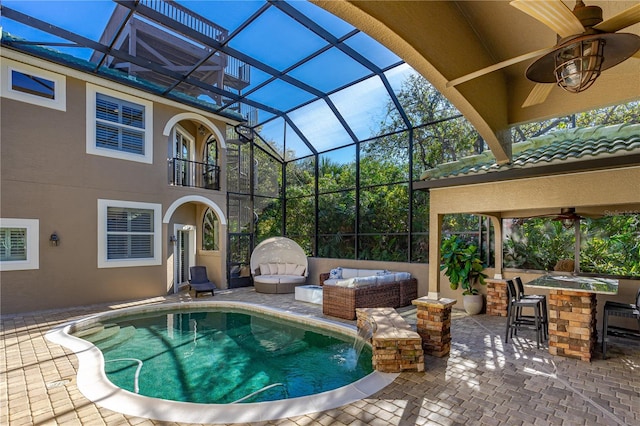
[119,125]
[13,244]
[130,233]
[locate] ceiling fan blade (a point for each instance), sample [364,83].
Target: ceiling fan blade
[538,95]
[499,65]
[622,20]
[554,14]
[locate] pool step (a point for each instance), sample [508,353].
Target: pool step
[96,328]
[108,331]
[123,335]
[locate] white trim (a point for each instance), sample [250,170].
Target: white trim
[192,142]
[33,245]
[191,254]
[198,118]
[103,262]
[82,76]
[195,199]
[59,101]
[92,91]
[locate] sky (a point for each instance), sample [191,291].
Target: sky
[278,41]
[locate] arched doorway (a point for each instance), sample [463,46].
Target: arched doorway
[190,220]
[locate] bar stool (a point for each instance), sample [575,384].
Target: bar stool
[618,309]
[541,297]
[515,321]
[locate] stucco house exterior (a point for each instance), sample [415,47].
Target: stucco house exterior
[107,187]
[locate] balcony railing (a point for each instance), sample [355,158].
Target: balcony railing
[194,174]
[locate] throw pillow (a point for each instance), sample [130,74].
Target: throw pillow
[290,269]
[264,269]
[299,270]
[335,274]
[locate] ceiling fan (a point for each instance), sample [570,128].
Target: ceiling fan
[586,45]
[567,216]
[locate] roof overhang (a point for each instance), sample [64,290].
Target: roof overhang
[444,40]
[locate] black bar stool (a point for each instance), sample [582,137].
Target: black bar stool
[515,320]
[541,297]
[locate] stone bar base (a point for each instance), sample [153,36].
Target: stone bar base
[572,324]
[434,325]
[396,347]
[497,297]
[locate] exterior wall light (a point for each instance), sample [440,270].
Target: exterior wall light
[54,239]
[173,239]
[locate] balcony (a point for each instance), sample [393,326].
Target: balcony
[193,174]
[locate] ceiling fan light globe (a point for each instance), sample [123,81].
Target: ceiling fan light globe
[578,65]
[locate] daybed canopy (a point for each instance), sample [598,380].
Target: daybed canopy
[278,250]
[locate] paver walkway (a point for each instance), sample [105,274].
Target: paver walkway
[483,381]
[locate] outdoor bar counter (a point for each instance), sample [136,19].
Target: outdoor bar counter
[572,312]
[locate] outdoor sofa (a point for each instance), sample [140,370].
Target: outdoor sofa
[345,289]
[278,265]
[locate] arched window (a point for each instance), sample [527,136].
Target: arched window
[211,151]
[210,231]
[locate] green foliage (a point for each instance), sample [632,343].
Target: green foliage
[609,245]
[537,244]
[616,114]
[462,265]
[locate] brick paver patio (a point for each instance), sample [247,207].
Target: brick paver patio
[482,381]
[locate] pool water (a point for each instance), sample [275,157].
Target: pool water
[225,356]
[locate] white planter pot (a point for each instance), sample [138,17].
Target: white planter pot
[473,303]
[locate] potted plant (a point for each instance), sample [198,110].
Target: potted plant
[462,265]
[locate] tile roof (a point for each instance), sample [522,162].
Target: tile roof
[556,147]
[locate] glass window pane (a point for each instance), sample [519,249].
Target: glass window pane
[536,243]
[280,95]
[372,50]
[385,160]
[301,177]
[366,107]
[337,246]
[311,72]
[295,146]
[268,171]
[320,126]
[337,169]
[389,248]
[33,85]
[210,231]
[301,218]
[444,142]
[279,49]
[384,209]
[13,244]
[337,212]
[268,217]
[611,245]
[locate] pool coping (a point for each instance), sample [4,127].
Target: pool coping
[94,385]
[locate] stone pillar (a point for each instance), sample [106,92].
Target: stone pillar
[572,324]
[396,347]
[434,325]
[497,297]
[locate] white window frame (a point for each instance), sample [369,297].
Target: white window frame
[92,148]
[33,245]
[59,101]
[103,261]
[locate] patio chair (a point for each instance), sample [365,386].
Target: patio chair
[618,309]
[541,297]
[199,281]
[516,321]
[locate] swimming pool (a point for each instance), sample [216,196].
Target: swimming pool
[239,362]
